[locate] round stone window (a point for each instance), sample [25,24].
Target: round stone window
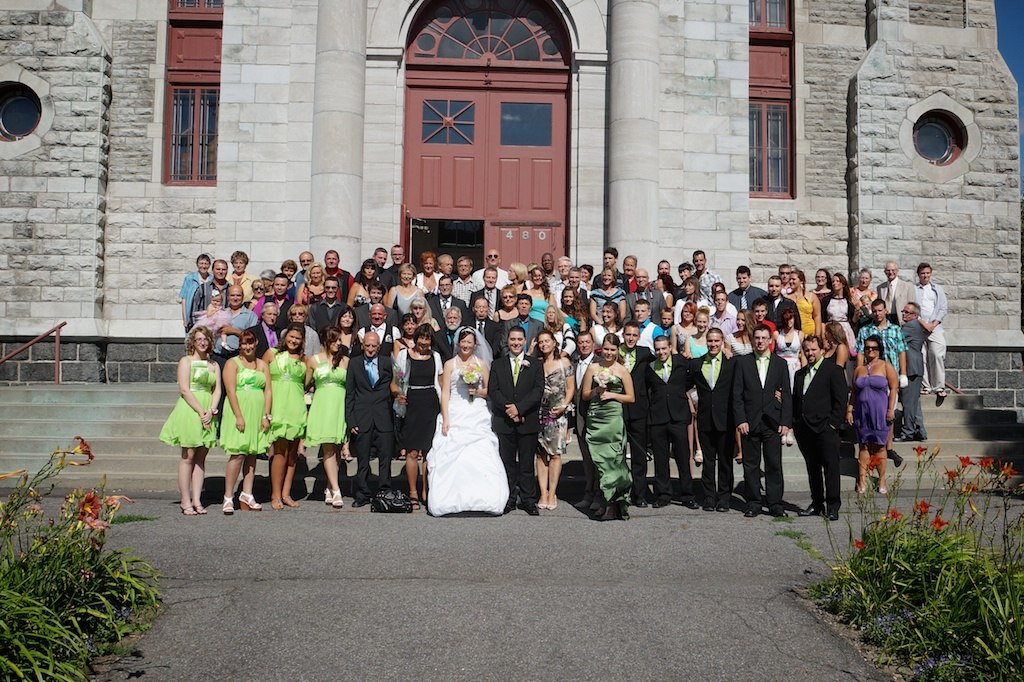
[20,111]
[939,137]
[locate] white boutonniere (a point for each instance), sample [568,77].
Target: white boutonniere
[526,362]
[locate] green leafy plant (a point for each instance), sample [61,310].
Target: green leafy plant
[64,597]
[938,587]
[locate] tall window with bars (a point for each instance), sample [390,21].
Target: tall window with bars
[193,91]
[771,99]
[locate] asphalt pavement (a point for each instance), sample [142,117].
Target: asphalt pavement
[318,594]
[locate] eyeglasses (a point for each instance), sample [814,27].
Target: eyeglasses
[871,349]
[907,312]
[493,255]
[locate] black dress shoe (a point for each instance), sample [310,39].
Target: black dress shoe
[661,502]
[778,513]
[708,508]
[813,510]
[509,507]
[902,439]
[895,457]
[722,508]
[750,513]
[640,503]
[360,503]
[833,516]
[531,509]
[691,504]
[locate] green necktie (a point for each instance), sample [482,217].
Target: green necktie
[515,371]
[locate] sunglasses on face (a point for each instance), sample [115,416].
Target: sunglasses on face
[871,349]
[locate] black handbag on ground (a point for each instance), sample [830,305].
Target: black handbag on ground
[391,502]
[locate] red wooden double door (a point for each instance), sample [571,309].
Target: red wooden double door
[494,160]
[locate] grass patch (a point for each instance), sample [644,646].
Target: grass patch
[131,518]
[799,538]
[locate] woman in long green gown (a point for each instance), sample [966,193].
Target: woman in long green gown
[608,386]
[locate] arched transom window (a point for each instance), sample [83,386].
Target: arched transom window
[495,33]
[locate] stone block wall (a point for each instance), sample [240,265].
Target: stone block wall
[703,138]
[143,362]
[79,362]
[947,13]
[996,376]
[52,198]
[133,47]
[963,219]
[836,12]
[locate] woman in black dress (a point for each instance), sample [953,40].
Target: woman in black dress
[417,386]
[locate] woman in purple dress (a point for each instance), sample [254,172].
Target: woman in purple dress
[871,411]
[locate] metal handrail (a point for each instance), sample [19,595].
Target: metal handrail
[55,330]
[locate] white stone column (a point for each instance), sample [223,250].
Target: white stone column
[336,191]
[633,128]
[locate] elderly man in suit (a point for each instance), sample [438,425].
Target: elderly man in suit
[516,387]
[712,376]
[444,338]
[820,395]
[368,415]
[266,329]
[895,292]
[916,336]
[484,324]
[644,292]
[763,409]
[668,380]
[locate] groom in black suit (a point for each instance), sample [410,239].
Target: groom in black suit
[368,415]
[712,377]
[668,380]
[636,358]
[820,395]
[516,387]
[763,408]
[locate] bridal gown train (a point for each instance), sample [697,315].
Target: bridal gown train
[464,469]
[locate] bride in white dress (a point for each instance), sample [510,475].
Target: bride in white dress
[464,469]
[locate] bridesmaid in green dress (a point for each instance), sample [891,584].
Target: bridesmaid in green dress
[289,376]
[245,428]
[326,425]
[608,386]
[193,423]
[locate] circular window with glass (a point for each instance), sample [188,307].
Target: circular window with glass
[939,137]
[20,111]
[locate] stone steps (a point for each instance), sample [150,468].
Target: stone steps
[121,423]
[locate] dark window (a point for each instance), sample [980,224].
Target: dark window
[448,121]
[193,134]
[467,234]
[20,110]
[193,91]
[770,152]
[525,124]
[771,99]
[939,137]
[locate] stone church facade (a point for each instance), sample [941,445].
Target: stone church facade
[135,134]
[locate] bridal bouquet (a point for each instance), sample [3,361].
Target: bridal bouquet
[604,377]
[472,375]
[402,379]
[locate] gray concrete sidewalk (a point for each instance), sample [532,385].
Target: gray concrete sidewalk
[315,594]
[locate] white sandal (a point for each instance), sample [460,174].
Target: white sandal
[336,500]
[328,497]
[229,507]
[248,503]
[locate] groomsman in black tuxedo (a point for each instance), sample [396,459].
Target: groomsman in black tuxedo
[516,387]
[763,409]
[591,501]
[668,380]
[368,415]
[820,395]
[636,358]
[712,376]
